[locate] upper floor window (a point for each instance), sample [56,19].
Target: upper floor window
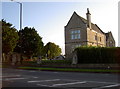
[95,37]
[75,34]
[100,39]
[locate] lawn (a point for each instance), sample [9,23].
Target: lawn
[72,69]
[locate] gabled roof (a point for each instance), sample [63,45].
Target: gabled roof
[73,15]
[94,26]
[109,35]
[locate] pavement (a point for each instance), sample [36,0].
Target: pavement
[36,79]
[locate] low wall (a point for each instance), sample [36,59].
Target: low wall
[98,65]
[94,66]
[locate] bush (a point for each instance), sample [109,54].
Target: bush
[56,61]
[98,54]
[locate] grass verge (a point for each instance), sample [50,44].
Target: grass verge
[73,69]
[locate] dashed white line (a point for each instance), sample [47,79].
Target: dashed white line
[43,80]
[77,82]
[109,86]
[35,77]
[14,78]
[55,72]
[44,85]
[10,76]
[101,82]
[54,85]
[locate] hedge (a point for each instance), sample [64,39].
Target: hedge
[56,62]
[50,62]
[98,55]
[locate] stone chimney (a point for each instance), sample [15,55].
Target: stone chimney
[88,18]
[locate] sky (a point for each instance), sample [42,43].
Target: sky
[49,17]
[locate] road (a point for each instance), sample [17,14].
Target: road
[60,80]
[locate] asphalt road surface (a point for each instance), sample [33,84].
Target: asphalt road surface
[14,78]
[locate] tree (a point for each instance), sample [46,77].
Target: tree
[9,37]
[30,43]
[52,50]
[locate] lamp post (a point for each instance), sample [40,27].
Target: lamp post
[20,13]
[20,4]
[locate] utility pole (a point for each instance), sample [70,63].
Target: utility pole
[20,4]
[20,13]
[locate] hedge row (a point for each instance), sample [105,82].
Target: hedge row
[50,62]
[56,62]
[98,54]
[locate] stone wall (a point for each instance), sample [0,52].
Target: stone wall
[100,41]
[11,58]
[6,57]
[104,66]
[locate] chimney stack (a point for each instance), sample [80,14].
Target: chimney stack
[88,18]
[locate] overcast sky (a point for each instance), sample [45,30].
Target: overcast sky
[50,17]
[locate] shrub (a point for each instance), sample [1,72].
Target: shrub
[56,61]
[98,54]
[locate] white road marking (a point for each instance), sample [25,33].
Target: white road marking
[43,80]
[54,85]
[70,80]
[77,82]
[14,78]
[44,85]
[35,77]
[91,81]
[101,82]
[10,76]
[109,86]
[55,72]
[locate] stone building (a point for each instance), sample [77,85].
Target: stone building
[81,32]
[110,42]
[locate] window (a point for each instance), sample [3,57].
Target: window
[72,36]
[95,37]
[78,31]
[72,32]
[75,31]
[78,36]
[78,45]
[75,34]
[100,39]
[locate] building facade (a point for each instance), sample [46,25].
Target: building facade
[82,32]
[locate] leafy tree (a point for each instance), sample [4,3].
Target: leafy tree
[51,50]
[30,42]
[9,37]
